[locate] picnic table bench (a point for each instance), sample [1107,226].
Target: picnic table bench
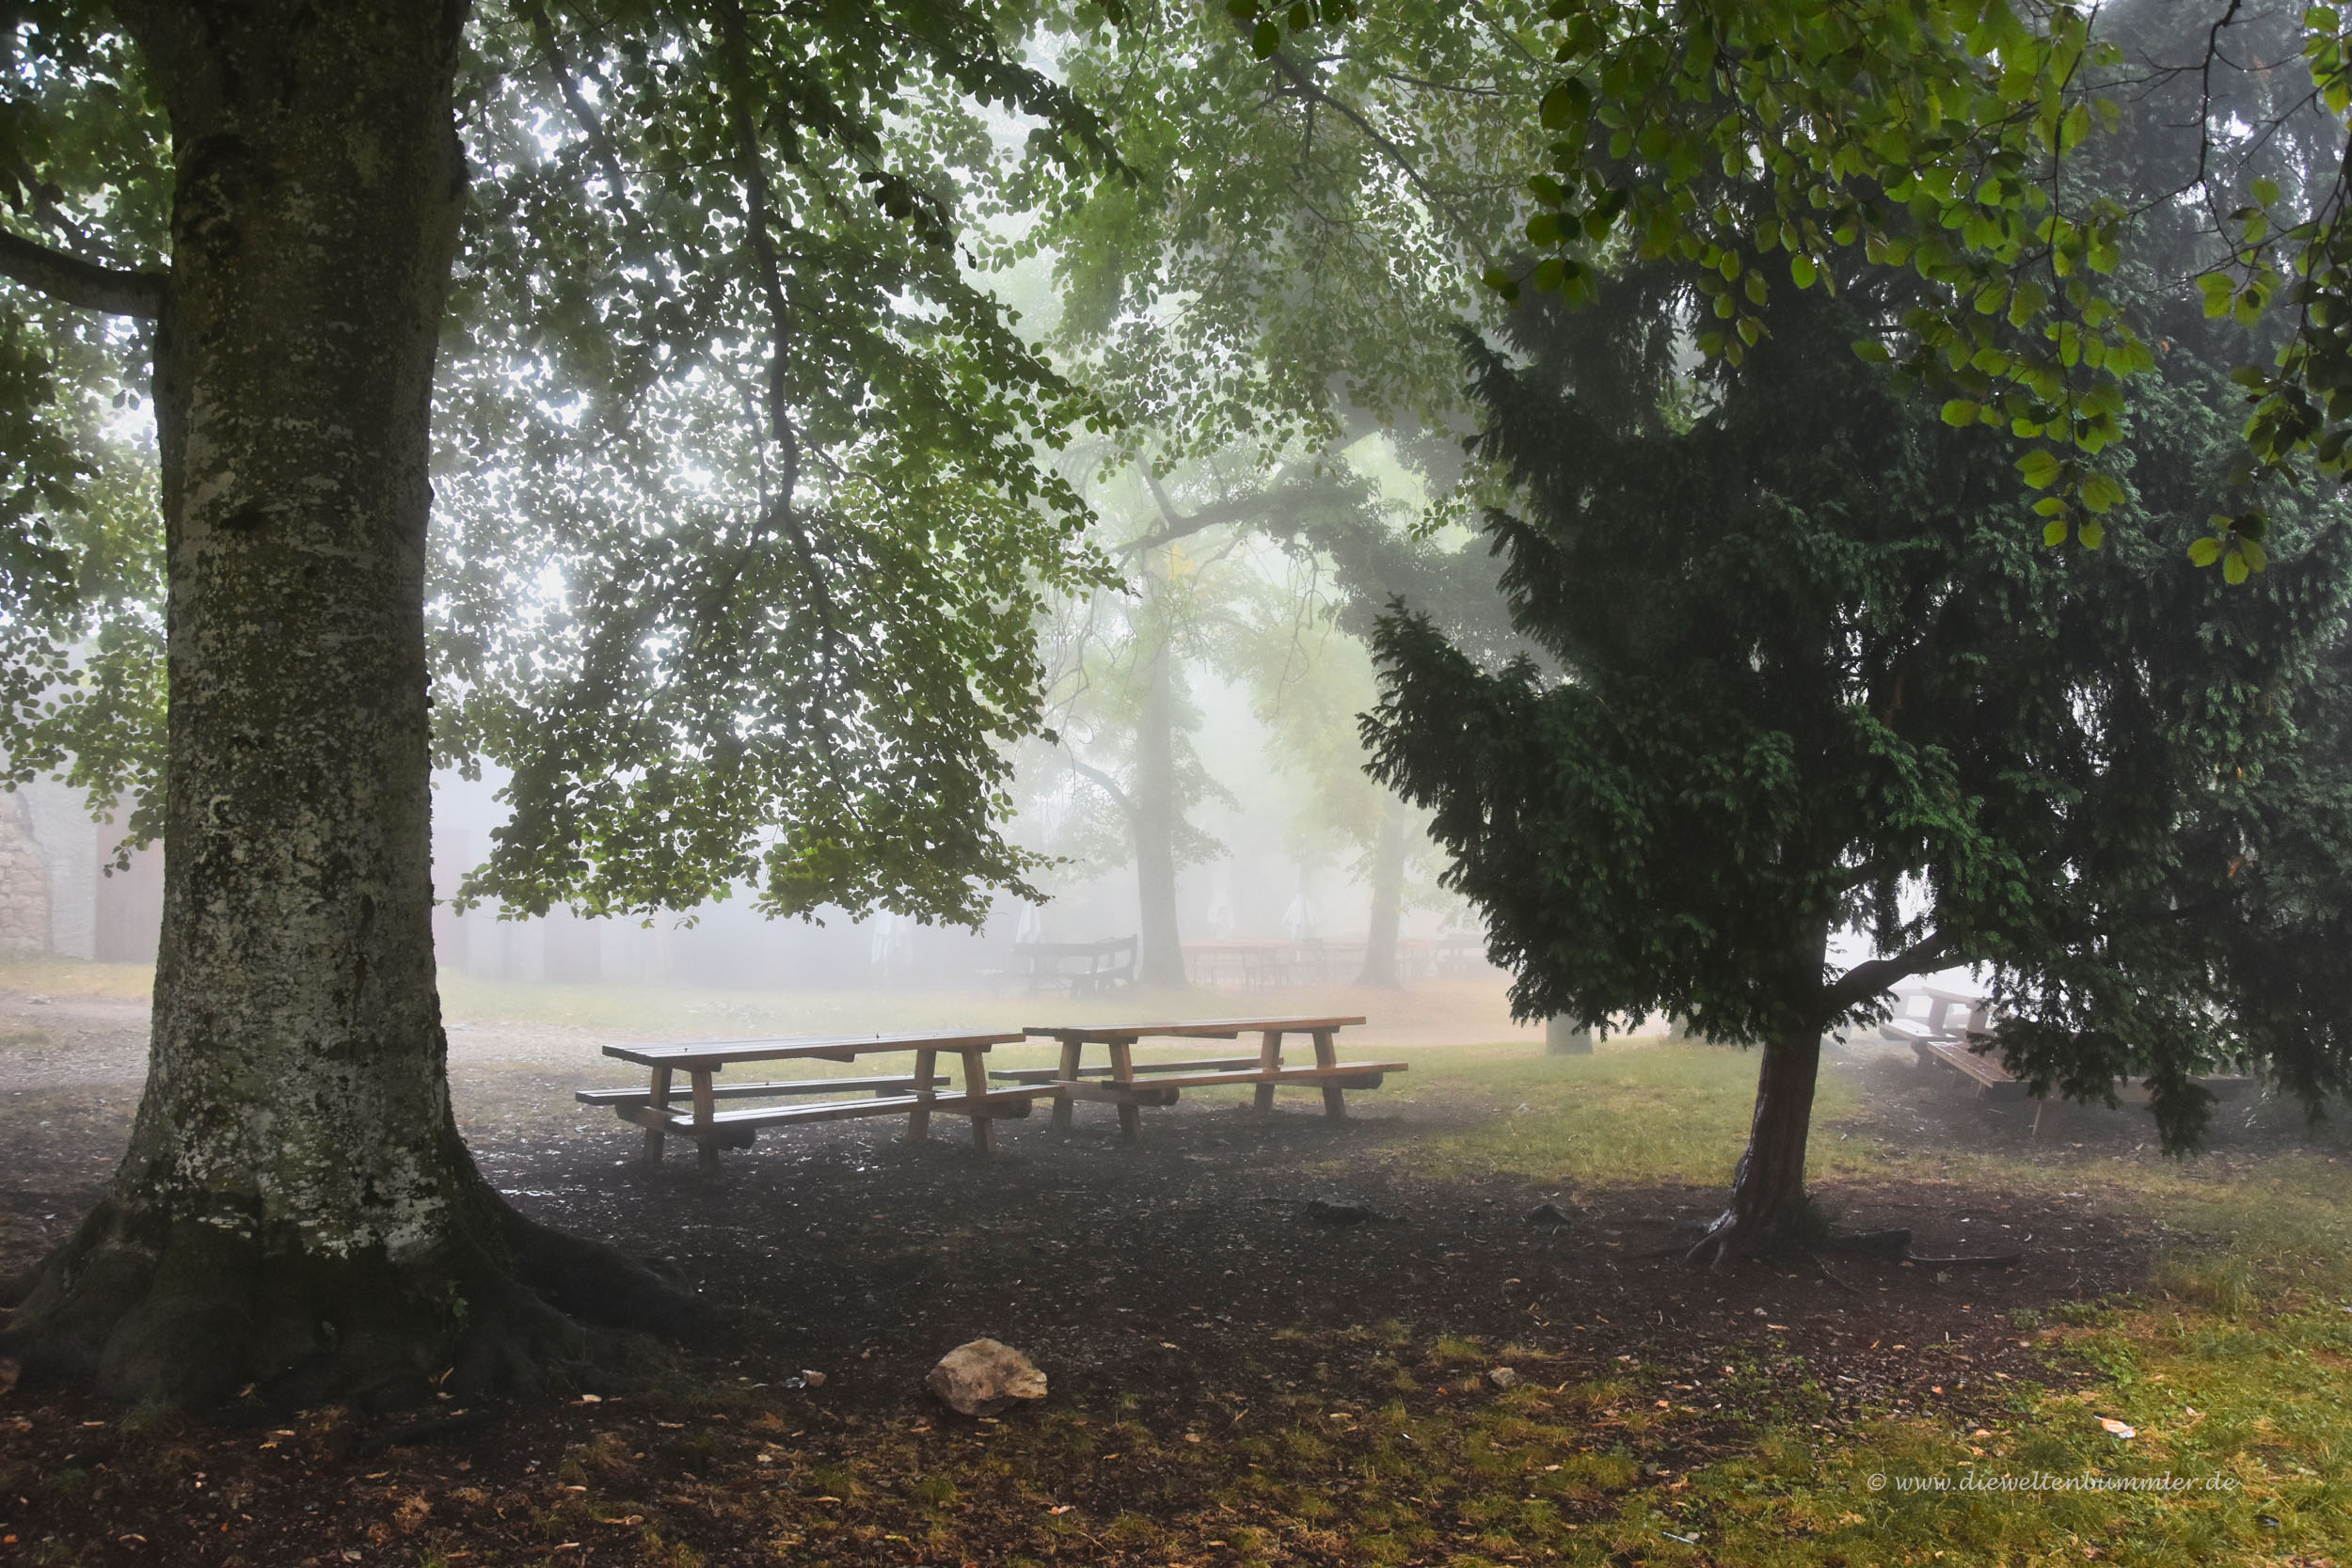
[915,1095]
[1130,1085]
[1088,968]
[1968,1050]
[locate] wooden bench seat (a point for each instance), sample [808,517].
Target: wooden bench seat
[999,1104]
[889,1084]
[1344,1075]
[1048,1074]
[1994,1081]
[1991,1079]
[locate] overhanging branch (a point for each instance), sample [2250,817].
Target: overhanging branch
[81,283]
[1865,981]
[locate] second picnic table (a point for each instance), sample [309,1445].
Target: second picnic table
[1130,1085]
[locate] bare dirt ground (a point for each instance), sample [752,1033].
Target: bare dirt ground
[1174,1285]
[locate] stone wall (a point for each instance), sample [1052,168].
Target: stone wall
[24,883]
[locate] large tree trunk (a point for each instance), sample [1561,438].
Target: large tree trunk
[1770,1209]
[1388,897]
[1160,956]
[296,1209]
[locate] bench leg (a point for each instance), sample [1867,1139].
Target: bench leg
[1124,1071]
[974,1086]
[1069,1053]
[706,1133]
[2047,1114]
[658,1100]
[1327,1055]
[919,1119]
[1269,1060]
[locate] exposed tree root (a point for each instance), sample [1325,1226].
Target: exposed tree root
[1804,1233]
[180,1312]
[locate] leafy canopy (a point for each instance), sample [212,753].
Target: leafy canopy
[1813,677]
[741,520]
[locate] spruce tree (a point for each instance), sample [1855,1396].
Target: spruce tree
[1809,670]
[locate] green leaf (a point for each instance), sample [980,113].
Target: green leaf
[2040,467]
[1265,38]
[1960,411]
[1802,271]
[2099,492]
[2054,531]
[2234,568]
[2094,533]
[1871,350]
[1567,103]
[2204,552]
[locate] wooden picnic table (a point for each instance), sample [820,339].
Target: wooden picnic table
[1972,1052]
[1130,1085]
[914,1094]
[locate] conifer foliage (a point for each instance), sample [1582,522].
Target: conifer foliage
[1812,675]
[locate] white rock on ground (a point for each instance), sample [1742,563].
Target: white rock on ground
[985,1376]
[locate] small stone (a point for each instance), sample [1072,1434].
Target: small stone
[1504,1377]
[815,1380]
[1341,1211]
[1549,1213]
[985,1376]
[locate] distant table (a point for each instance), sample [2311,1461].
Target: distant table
[1123,1082]
[913,1094]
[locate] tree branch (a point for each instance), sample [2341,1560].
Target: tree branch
[1109,785]
[1304,81]
[591,125]
[1179,525]
[81,283]
[1865,981]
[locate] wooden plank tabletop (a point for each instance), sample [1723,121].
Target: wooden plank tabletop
[838,1048]
[1199,1028]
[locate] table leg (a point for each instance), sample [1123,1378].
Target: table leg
[658,1100]
[1124,1071]
[1269,1060]
[975,1085]
[1062,1103]
[919,1120]
[1327,1055]
[705,1130]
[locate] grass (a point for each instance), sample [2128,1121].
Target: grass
[2233,1364]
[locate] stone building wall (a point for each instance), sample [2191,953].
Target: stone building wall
[24,883]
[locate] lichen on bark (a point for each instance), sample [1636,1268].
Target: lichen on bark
[296,1209]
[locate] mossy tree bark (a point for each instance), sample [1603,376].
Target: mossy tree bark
[1388,897]
[1160,954]
[296,1209]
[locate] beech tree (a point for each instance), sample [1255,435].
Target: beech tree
[790,658]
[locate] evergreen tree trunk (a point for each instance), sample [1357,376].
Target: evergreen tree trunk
[296,1209]
[1770,1210]
[1388,897]
[1160,954]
